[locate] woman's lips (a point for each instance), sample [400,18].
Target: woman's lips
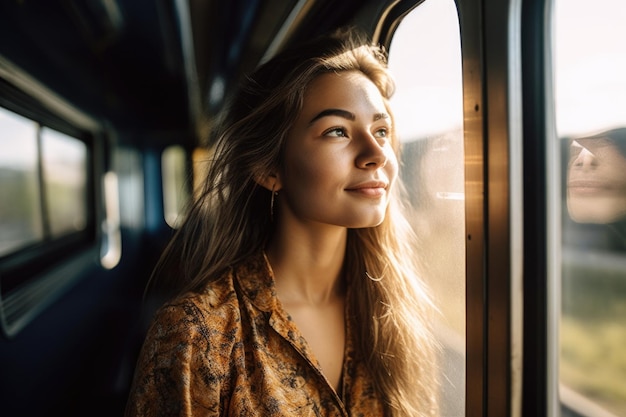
[584,187]
[373,189]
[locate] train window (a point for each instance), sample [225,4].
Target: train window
[20,205]
[590,114]
[111,248]
[64,166]
[44,183]
[127,164]
[175,194]
[201,159]
[425,59]
[44,215]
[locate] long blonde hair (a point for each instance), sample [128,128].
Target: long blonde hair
[230,220]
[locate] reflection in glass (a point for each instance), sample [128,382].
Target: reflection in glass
[64,162]
[593,330]
[590,112]
[596,178]
[20,206]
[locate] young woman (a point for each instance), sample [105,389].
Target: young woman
[297,293]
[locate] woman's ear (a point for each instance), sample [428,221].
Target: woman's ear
[271,181]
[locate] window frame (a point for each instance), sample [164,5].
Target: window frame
[494,194]
[30,276]
[559,399]
[540,370]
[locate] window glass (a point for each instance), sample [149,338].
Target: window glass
[127,163]
[201,158]
[590,111]
[20,205]
[64,164]
[425,60]
[175,187]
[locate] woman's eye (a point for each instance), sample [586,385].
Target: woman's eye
[336,132]
[381,133]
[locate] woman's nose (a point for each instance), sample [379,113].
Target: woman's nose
[585,159]
[371,153]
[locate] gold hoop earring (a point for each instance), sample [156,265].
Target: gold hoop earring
[274,194]
[375,279]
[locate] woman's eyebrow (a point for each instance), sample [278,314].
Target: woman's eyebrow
[345,114]
[334,112]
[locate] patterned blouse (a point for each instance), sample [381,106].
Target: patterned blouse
[232,350]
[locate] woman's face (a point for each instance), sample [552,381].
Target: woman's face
[596,181]
[339,161]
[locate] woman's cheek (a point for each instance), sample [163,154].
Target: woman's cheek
[392,165]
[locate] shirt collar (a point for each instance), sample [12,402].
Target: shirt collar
[256,279]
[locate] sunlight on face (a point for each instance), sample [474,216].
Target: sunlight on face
[339,161]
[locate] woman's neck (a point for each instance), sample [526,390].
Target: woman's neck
[308,265]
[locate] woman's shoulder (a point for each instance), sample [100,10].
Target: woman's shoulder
[216,308]
[217,297]
[190,338]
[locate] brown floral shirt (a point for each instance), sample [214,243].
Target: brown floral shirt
[232,350]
